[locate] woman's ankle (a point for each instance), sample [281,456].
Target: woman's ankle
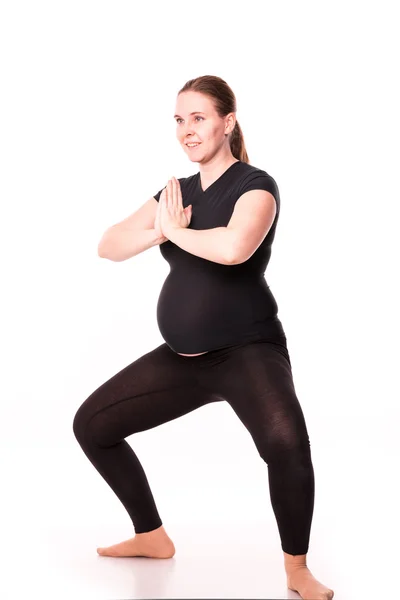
[293,561]
[155,534]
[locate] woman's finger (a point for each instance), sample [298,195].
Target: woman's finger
[179,195]
[167,194]
[174,195]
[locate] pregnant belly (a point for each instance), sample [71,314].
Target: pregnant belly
[196,307]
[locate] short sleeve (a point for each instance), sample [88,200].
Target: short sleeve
[157,196]
[260,180]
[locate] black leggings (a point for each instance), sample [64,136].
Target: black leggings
[255,378]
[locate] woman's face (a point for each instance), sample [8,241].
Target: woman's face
[205,127]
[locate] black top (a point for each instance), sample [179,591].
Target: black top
[204,305]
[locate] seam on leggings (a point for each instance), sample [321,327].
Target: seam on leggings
[130,398]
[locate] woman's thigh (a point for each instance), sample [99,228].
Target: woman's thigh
[156,388]
[256,380]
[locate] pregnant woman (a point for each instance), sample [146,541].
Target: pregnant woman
[223,340]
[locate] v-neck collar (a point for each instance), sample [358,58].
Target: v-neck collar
[200,189]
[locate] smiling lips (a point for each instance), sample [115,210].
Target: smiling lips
[195,144]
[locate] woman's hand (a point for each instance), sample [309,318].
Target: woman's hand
[170,213]
[157,222]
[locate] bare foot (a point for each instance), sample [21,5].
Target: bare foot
[152,544]
[300,580]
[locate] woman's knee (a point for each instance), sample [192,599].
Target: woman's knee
[284,447]
[79,423]
[86,427]
[101,427]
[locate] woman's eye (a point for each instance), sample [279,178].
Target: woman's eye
[198,117]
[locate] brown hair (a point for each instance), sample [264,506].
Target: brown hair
[224,101]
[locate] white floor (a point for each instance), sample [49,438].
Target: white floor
[48,551]
[63,563]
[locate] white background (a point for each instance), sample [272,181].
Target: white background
[87,136]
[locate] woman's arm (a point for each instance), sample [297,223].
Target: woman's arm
[119,243]
[215,244]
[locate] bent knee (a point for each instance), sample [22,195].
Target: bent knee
[79,424]
[281,451]
[96,428]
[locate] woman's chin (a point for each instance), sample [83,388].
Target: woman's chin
[193,156]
